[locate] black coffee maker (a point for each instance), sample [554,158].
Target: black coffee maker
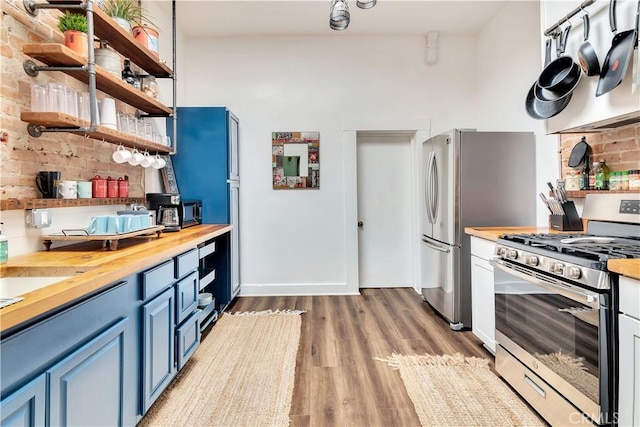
[167,207]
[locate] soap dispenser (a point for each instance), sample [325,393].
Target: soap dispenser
[4,247]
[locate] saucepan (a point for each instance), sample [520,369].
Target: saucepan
[562,75]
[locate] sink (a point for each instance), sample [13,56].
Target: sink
[13,286]
[16,281]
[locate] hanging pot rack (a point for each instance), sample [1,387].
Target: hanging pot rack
[556,27]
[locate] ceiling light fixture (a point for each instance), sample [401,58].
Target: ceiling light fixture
[339,16]
[366,4]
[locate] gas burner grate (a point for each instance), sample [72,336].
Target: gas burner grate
[619,248]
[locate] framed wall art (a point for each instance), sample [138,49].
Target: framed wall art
[295,158]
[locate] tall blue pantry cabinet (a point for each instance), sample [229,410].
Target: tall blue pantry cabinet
[206,168]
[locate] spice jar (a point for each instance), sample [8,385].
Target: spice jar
[98,187]
[623,180]
[634,179]
[572,180]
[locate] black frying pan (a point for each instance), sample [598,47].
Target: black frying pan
[587,56]
[617,60]
[578,153]
[540,109]
[561,75]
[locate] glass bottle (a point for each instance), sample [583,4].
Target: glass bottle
[592,176]
[584,176]
[129,76]
[602,176]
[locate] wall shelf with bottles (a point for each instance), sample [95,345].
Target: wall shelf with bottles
[18,204]
[61,120]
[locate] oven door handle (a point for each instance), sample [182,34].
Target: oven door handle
[579,295]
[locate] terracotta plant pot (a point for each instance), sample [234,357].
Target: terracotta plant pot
[148,37]
[77,41]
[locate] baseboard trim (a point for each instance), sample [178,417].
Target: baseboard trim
[308,289]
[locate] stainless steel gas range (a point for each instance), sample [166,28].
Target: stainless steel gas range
[556,309]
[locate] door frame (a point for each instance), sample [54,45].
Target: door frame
[420,128]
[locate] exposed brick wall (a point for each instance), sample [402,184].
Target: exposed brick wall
[21,156]
[619,148]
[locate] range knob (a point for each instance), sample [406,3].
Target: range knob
[512,254]
[532,260]
[501,251]
[557,268]
[574,273]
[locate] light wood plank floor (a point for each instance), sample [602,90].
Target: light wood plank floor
[337,381]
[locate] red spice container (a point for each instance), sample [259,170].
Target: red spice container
[123,186]
[98,187]
[112,187]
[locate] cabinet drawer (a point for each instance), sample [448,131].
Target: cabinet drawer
[207,249]
[630,297]
[157,279]
[186,263]
[186,296]
[188,336]
[482,248]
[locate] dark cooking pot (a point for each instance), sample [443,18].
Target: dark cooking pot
[561,75]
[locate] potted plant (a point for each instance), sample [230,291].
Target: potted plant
[125,13]
[74,27]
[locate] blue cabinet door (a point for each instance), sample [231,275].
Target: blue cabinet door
[87,387]
[202,162]
[158,348]
[188,337]
[26,407]
[186,296]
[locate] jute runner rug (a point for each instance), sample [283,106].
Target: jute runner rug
[453,390]
[241,375]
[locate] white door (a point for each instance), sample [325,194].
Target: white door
[384,208]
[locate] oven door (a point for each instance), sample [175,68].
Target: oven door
[558,330]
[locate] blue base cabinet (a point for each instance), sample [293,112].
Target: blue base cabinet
[26,407]
[103,361]
[87,387]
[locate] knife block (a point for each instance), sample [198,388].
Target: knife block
[570,221]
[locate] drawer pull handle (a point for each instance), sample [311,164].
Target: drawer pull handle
[535,386]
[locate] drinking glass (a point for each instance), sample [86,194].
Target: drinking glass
[39,97]
[71,97]
[57,98]
[84,106]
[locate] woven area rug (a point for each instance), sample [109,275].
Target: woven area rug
[453,390]
[241,375]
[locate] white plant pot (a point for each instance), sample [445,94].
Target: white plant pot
[123,23]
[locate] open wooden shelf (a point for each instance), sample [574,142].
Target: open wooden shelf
[106,28]
[61,120]
[17,204]
[56,54]
[581,194]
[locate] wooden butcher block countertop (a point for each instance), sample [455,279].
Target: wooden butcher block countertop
[92,268]
[626,267]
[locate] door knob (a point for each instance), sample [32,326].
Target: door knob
[360,224]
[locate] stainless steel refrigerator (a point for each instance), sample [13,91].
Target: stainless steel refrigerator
[469,179]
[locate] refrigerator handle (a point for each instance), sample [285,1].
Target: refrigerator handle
[436,189]
[436,247]
[428,189]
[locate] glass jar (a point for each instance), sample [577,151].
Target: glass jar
[584,176]
[614,183]
[592,175]
[150,86]
[634,179]
[623,180]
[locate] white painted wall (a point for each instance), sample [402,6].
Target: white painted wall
[509,61]
[294,241]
